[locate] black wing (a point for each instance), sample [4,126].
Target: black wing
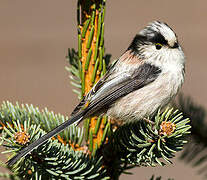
[110,90]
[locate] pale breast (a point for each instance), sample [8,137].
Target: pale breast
[146,101]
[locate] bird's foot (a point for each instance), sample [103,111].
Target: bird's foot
[149,121]
[115,123]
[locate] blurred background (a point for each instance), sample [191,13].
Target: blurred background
[35,35]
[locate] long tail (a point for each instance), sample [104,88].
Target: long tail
[44,138]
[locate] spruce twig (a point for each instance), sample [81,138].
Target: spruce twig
[144,144]
[107,152]
[54,159]
[92,60]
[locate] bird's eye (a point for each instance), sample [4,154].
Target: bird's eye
[158,46]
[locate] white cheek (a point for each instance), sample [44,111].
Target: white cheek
[165,57]
[170,61]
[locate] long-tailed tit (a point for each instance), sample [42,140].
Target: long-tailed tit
[146,77]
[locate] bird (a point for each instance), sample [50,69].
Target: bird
[145,78]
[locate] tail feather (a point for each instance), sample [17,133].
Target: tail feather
[44,138]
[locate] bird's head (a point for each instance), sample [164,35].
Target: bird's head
[157,42]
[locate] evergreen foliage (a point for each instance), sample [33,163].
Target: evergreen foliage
[144,144]
[107,150]
[54,159]
[140,143]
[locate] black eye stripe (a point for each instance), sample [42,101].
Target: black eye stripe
[151,37]
[158,38]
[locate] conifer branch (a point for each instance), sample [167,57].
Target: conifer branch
[54,159]
[145,144]
[92,64]
[108,152]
